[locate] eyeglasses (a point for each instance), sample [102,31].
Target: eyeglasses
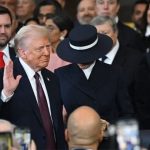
[41,16]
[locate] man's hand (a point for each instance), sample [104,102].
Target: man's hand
[9,82]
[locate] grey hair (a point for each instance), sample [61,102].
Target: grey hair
[100,20]
[118,1]
[27,34]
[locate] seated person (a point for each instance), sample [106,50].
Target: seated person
[85,129]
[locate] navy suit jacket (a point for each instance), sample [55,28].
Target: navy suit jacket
[22,109]
[140,91]
[129,37]
[128,58]
[105,90]
[12,53]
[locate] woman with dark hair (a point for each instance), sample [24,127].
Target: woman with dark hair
[59,26]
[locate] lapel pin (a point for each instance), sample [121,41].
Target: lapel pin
[48,79]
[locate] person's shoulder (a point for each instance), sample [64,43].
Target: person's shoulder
[64,68]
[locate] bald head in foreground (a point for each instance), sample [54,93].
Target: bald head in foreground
[85,129]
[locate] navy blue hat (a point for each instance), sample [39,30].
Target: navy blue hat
[84,45]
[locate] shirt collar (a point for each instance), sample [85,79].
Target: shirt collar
[29,71]
[111,55]
[6,51]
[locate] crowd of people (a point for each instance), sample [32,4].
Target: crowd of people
[67,80]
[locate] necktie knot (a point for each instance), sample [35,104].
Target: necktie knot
[104,58]
[37,76]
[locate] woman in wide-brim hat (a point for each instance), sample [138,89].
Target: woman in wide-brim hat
[84,45]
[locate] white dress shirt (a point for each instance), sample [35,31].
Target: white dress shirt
[88,70]
[6,56]
[147,33]
[30,74]
[111,54]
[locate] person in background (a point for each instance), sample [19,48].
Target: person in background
[126,35]
[138,16]
[6,52]
[25,9]
[32,20]
[59,27]
[121,55]
[44,8]
[30,94]
[62,3]
[85,129]
[86,11]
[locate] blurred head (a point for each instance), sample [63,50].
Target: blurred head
[107,7]
[10,4]
[25,9]
[139,9]
[30,21]
[62,3]
[86,11]
[46,8]
[33,46]
[85,128]
[106,25]
[59,27]
[148,15]
[5,26]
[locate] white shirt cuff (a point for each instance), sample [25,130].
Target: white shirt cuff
[5,98]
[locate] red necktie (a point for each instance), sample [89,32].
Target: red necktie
[2,63]
[46,119]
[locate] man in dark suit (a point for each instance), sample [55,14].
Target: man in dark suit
[26,98]
[90,82]
[126,35]
[122,55]
[6,34]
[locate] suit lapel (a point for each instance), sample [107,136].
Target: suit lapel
[99,76]
[24,82]
[12,53]
[77,78]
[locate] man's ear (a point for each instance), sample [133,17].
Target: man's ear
[22,53]
[66,135]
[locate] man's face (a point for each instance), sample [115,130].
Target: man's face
[44,11]
[5,29]
[107,30]
[138,12]
[25,8]
[86,11]
[37,53]
[107,8]
[11,4]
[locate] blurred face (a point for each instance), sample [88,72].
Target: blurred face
[148,15]
[107,8]
[138,12]
[5,30]
[38,53]
[86,11]
[11,4]
[25,8]
[107,30]
[54,31]
[44,11]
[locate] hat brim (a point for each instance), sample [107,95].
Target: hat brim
[65,52]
